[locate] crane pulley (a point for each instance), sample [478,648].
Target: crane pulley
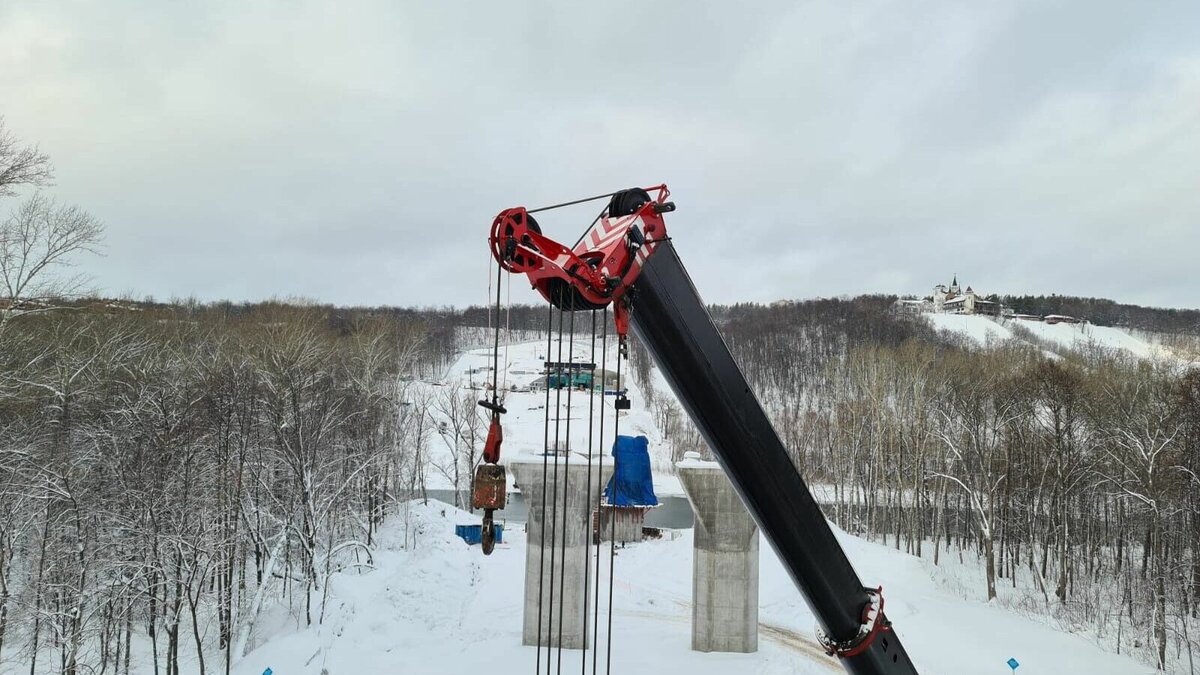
[602,266]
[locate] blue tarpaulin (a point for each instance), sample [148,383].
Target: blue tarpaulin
[473,534]
[632,480]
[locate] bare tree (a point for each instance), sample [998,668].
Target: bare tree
[461,427]
[977,408]
[21,164]
[39,237]
[1145,437]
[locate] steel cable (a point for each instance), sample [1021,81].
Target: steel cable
[591,525]
[600,492]
[612,518]
[566,483]
[553,516]
[545,472]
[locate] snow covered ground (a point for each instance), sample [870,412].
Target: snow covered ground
[986,331]
[1083,336]
[441,607]
[980,329]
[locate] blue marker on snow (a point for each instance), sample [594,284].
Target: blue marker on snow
[268,671]
[1012,663]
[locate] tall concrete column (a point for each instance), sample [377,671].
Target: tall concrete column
[724,561]
[570,545]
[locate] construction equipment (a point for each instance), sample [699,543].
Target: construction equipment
[491,481]
[627,260]
[490,484]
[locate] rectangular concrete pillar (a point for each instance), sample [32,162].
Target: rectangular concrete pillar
[724,561]
[571,544]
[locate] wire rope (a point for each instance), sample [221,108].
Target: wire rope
[545,472]
[612,519]
[566,483]
[553,516]
[591,525]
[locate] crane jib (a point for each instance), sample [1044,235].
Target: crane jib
[672,322]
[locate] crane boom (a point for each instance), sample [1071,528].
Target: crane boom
[672,322]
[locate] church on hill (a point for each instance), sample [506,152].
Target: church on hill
[954,300]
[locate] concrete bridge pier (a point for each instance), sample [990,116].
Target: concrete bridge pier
[724,561]
[570,545]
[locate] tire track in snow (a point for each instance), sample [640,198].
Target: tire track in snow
[787,638]
[799,642]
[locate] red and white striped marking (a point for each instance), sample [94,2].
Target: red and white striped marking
[605,232]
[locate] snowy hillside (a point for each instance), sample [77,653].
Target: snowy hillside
[987,331]
[441,606]
[981,330]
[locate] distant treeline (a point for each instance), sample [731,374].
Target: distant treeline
[866,318]
[788,346]
[860,319]
[1108,312]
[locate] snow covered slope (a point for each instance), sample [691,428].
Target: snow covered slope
[441,607]
[980,329]
[1083,336]
[986,331]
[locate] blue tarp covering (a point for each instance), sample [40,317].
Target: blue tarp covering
[632,480]
[473,534]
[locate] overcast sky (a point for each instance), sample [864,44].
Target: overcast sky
[355,152]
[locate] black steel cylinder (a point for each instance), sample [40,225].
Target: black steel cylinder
[672,322]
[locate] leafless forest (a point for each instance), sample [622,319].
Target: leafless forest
[164,471]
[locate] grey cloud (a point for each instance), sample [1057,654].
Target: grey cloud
[356,152]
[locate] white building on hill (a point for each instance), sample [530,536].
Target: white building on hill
[953,300]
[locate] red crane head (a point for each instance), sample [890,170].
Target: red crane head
[604,263]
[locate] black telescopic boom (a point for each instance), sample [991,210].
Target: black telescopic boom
[672,322]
